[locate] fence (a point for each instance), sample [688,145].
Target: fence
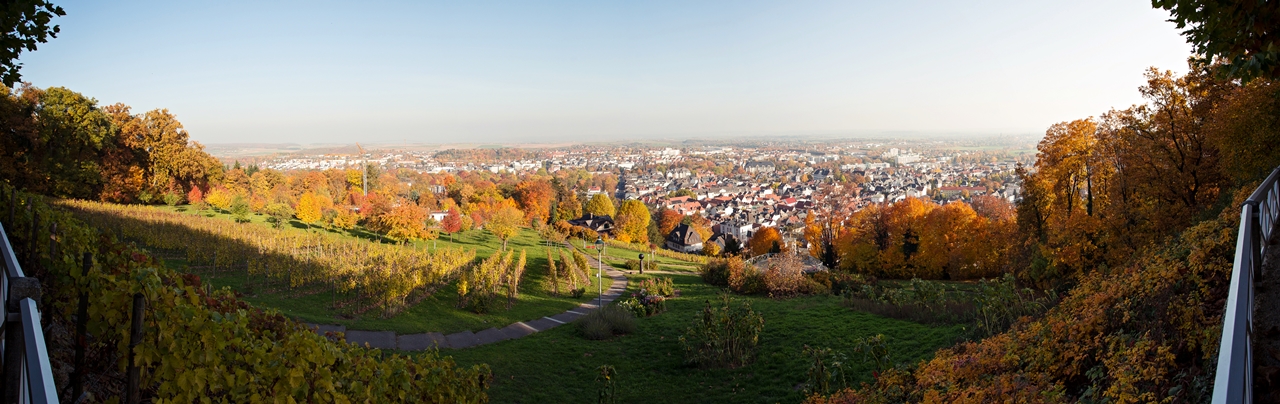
[28,377]
[1234,380]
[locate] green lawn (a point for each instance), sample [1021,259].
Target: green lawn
[560,366]
[618,256]
[436,313]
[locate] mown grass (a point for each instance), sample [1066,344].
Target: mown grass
[618,256]
[436,313]
[559,365]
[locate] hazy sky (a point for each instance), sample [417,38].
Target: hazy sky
[466,71]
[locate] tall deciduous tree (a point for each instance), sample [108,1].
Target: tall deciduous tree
[602,205]
[668,220]
[633,222]
[764,241]
[505,223]
[534,197]
[405,222]
[309,208]
[452,222]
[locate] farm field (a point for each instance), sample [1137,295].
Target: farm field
[650,365]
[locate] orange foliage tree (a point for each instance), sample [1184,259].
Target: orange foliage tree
[764,241]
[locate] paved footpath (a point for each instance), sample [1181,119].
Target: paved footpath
[467,339]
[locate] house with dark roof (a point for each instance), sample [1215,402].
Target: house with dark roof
[602,224]
[684,239]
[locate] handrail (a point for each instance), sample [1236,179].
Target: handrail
[39,374]
[11,267]
[25,350]
[1234,380]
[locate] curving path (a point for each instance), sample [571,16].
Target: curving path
[467,339]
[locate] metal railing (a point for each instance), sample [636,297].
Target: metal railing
[1234,380]
[28,377]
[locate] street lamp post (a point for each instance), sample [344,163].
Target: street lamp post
[599,270]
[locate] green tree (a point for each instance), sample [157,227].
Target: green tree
[278,213]
[1241,35]
[25,24]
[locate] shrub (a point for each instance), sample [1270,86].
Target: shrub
[785,276]
[828,371]
[842,282]
[723,335]
[594,328]
[716,272]
[576,293]
[642,305]
[746,280]
[662,286]
[278,213]
[608,378]
[633,265]
[607,322]
[239,209]
[172,199]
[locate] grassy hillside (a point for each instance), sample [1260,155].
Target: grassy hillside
[651,367]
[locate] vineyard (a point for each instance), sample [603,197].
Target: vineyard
[359,276]
[198,344]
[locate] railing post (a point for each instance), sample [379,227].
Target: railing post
[19,288]
[82,314]
[32,246]
[135,338]
[53,241]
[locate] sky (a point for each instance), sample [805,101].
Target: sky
[487,71]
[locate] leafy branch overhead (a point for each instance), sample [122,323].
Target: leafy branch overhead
[1242,35]
[25,24]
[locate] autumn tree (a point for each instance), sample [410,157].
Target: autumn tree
[944,240]
[452,222]
[505,223]
[710,249]
[764,241]
[601,205]
[309,209]
[124,164]
[632,222]
[534,197]
[175,161]
[195,196]
[992,207]
[404,222]
[568,207]
[668,220]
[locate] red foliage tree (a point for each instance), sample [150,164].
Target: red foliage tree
[452,222]
[195,196]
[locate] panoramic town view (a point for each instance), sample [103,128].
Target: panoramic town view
[618,202]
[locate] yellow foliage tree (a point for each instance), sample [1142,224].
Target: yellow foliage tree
[309,208]
[505,223]
[632,222]
[601,205]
